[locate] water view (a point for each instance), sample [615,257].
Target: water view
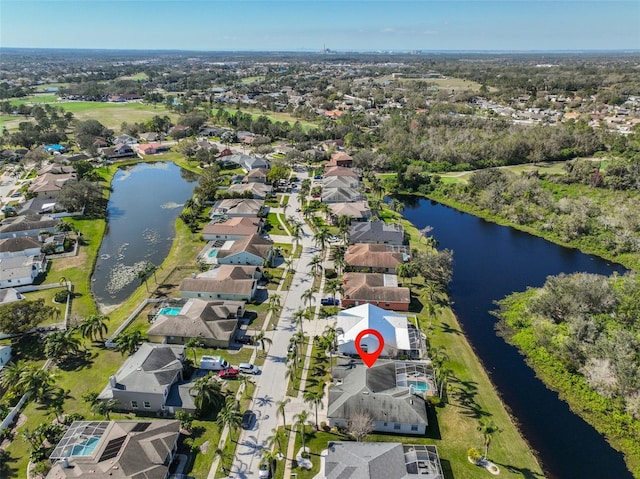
[490,262]
[145,202]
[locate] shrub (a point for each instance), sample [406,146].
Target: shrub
[61,296]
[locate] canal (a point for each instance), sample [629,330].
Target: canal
[143,206]
[490,262]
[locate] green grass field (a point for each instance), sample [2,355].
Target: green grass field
[110,115]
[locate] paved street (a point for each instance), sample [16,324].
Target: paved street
[271,384]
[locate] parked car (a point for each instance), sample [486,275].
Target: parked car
[330,302]
[229,374]
[246,339]
[264,470]
[247,419]
[248,368]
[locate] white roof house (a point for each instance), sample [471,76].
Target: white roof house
[394,329]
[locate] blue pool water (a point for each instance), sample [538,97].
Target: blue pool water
[170,311]
[418,387]
[213,253]
[85,448]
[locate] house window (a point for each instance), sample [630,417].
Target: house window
[414,427]
[199,295]
[385,424]
[387,304]
[396,426]
[147,405]
[134,404]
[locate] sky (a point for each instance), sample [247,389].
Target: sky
[311,25]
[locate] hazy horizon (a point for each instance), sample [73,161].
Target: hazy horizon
[311,25]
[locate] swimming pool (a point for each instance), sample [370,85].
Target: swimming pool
[170,311]
[213,253]
[85,448]
[419,386]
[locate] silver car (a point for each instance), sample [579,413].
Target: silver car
[248,368]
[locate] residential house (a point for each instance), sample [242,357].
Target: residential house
[27,226]
[116,450]
[49,185]
[256,175]
[54,243]
[379,289]
[151,148]
[212,131]
[39,206]
[124,97]
[381,460]
[151,136]
[237,207]
[341,159]
[374,258]
[247,162]
[377,232]
[20,246]
[143,382]
[257,190]
[378,393]
[340,182]
[125,139]
[10,295]
[245,137]
[21,270]
[232,228]
[180,131]
[120,150]
[212,323]
[341,171]
[225,282]
[250,250]
[56,169]
[340,195]
[357,210]
[400,336]
[5,354]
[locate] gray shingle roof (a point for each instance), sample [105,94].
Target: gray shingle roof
[374,390]
[365,460]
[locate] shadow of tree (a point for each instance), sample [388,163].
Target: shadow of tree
[75,363]
[6,468]
[524,472]
[462,394]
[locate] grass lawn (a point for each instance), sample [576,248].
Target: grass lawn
[317,442]
[273,225]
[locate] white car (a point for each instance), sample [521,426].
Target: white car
[248,368]
[264,471]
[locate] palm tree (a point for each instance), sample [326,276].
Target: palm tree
[301,419]
[298,317]
[193,343]
[276,438]
[273,305]
[55,402]
[296,232]
[314,398]
[12,373]
[377,186]
[333,286]
[262,340]
[316,265]
[396,205]
[128,342]
[104,408]
[229,415]
[224,457]
[36,382]
[330,336]
[280,411]
[407,270]
[487,427]
[321,238]
[60,345]
[308,296]
[269,457]
[207,392]
[94,326]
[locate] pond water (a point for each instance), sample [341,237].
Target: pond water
[143,206]
[490,262]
